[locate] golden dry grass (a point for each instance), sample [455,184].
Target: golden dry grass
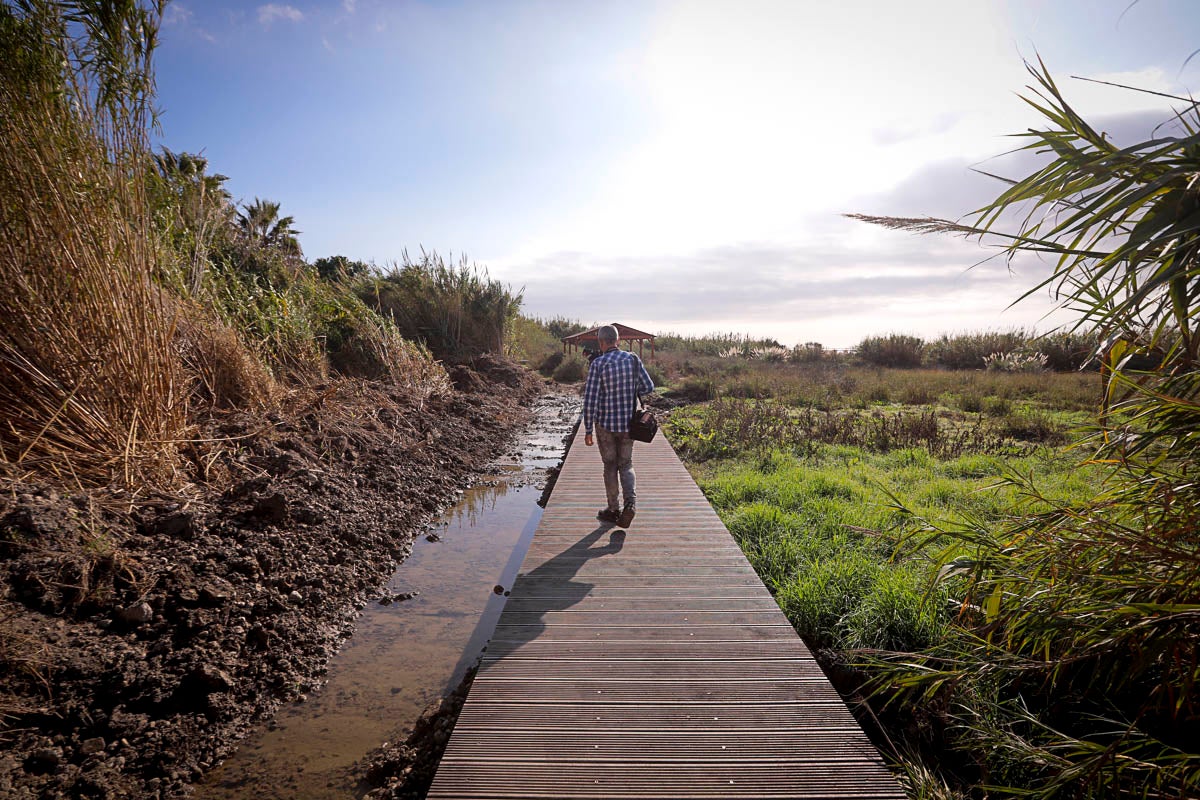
[89,384]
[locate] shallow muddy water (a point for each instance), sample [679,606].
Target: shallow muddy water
[408,654]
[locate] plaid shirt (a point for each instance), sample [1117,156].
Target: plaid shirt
[614,381]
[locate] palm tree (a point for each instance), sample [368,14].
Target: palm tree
[196,206]
[261,224]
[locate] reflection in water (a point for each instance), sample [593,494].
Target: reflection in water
[407,656]
[474,503]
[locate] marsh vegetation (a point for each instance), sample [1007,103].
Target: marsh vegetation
[1018,600]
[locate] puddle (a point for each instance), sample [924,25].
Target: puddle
[409,654]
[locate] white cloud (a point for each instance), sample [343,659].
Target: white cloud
[768,110]
[847,280]
[772,117]
[177,14]
[274,11]
[349,5]
[183,18]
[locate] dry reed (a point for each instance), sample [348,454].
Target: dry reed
[89,382]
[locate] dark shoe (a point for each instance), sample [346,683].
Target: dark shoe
[608,515]
[627,516]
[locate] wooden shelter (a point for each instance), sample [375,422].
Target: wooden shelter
[591,340]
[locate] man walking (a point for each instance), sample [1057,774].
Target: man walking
[615,380]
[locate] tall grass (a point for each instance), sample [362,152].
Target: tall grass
[1062,350]
[90,388]
[457,310]
[1071,670]
[714,344]
[130,297]
[892,350]
[828,385]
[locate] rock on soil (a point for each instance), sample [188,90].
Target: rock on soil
[141,637]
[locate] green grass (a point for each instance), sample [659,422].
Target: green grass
[825,531]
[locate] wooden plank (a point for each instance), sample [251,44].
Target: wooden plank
[641,605]
[602,590]
[645,619]
[718,717]
[678,671]
[625,633]
[649,663]
[798,746]
[638,692]
[691,650]
[860,780]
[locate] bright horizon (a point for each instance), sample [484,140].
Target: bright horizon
[702,151]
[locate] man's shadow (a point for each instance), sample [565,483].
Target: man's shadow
[549,587]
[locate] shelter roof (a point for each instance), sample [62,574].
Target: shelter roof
[624,331]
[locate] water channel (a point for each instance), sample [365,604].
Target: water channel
[406,655]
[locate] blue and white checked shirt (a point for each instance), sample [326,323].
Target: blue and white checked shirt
[614,381]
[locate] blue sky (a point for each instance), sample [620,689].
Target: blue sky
[706,149]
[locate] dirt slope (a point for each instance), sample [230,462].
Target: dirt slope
[140,637]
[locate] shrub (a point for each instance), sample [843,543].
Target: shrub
[807,353]
[997,406]
[1064,351]
[750,387]
[878,393]
[917,394]
[560,327]
[361,344]
[657,376]
[715,344]
[969,350]
[893,350]
[530,342]
[340,268]
[730,426]
[1031,426]
[551,362]
[969,401]
[696,389]
[277,318]
[572,370]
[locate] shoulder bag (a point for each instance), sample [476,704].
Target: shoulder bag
[642,424]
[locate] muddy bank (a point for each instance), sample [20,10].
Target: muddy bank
[140,637]
[413,646]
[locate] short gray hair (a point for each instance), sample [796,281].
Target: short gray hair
[607,333]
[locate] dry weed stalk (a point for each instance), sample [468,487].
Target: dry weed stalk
[89,382]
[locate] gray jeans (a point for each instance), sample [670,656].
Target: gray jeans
[616,451]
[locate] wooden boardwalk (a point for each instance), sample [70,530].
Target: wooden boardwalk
[649,664]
